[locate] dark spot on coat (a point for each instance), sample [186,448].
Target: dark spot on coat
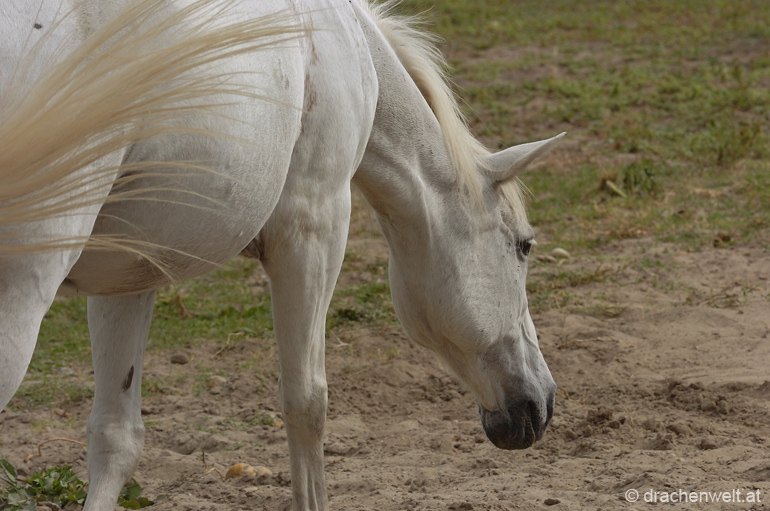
[313,51]
[129,379]
[38,26]
[310,95]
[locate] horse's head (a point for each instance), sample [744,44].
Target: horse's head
[464,297]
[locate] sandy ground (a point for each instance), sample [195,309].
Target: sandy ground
[663,385]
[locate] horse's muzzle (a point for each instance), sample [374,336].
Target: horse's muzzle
[520,425]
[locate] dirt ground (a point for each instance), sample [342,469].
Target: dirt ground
[663,385]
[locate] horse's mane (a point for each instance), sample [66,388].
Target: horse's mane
[419,54]
[109,93]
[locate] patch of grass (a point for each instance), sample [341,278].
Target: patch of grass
[58,485]
[164,386]
[378,267]
[244,424]
[391,353]
[678,88]
[647,27]
[353,257]
[130,497]
[365,304]
[731,296]
[52,392]
[575,278]
[63,340]
[215,306]
[604,310]
[551,289]
[639,178]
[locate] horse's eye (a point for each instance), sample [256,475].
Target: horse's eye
[525,246]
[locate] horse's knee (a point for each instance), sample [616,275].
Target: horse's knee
[115,443]
[114,451]
[306,410]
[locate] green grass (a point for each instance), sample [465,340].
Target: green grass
[643,26]
[52,391]
[221,304]
[680,88]
[63,340]
[218,306]
[368,303]
[59,486]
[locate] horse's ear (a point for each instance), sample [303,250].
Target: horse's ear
[511,162]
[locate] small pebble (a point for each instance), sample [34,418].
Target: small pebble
[240,470]
[179,358]
[263,471]
[652,424]
[560,253]
[551,502]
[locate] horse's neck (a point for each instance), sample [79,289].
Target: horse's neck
[406,166]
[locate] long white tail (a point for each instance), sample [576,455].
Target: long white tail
[127,82]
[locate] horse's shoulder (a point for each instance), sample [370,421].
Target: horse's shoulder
[336,51]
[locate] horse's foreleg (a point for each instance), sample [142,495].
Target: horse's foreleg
[303,267]
[119,327]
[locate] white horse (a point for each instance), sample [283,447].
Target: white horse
[359,97]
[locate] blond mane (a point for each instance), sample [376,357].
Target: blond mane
[419,54]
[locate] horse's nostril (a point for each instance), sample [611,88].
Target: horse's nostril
[534,415]
[535,419]
[520,424]
[549,411]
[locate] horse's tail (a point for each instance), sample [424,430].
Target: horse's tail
[126,83]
